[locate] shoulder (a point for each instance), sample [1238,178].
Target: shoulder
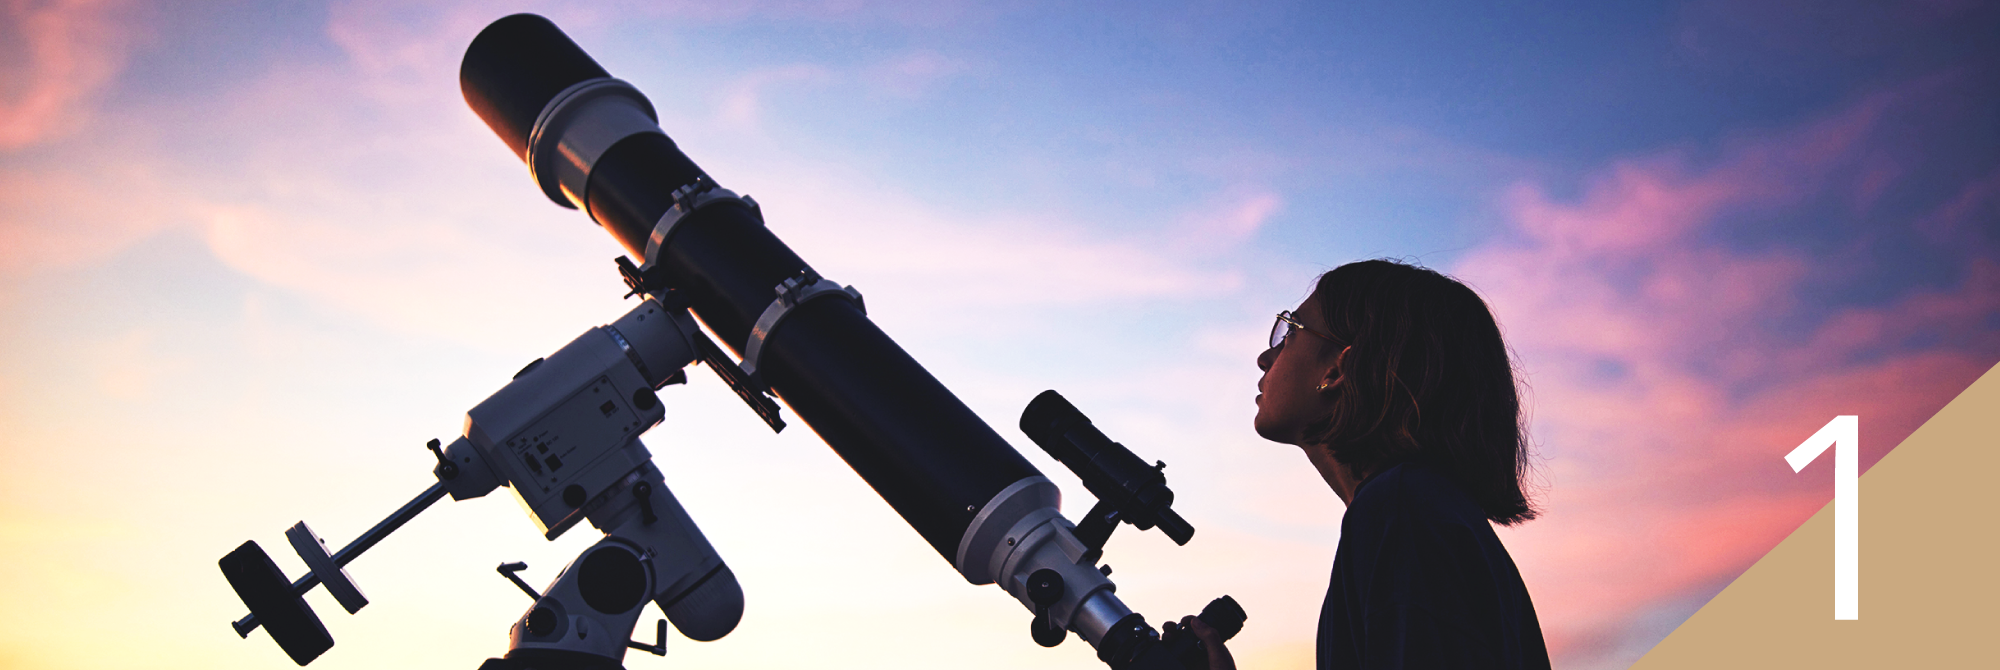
[1421,580]
[1413,493]
[1413,518]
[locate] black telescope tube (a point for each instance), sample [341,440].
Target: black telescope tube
[513,68]
[914,442]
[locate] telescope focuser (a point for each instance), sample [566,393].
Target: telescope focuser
[1221,614]
[1134,645]
[1126,488]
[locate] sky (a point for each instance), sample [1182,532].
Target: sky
[254,255]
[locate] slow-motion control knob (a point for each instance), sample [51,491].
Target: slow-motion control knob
[1045,588]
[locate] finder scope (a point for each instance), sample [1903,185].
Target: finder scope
[1126,487]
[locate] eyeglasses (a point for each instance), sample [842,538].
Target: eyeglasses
[1283,327]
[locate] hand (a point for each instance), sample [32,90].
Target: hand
[1218,655]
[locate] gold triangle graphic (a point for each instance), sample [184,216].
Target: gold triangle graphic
[1929,565]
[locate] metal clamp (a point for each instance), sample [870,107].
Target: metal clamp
[688,199]
[791,293]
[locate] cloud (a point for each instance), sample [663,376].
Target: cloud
[454,242]
[131,366]
[1228,220]
[931,14]
[1800,36]
[954,260]
[1967,219]
[60,216]
[742,105]
[913,74]
[73,49]
[744,100]
[1670,371]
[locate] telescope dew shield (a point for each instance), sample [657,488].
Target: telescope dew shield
[910,438]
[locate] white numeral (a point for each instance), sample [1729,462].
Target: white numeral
[1843,433]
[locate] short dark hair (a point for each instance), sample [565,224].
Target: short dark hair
[1428,380]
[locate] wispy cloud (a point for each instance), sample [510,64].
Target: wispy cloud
[132,368]
[743,104]
[1224,221]
[1669,374]
[56,214]
[74,48]
[956,260]
[913,74]
[460,257]
[1799,35]
[60,216]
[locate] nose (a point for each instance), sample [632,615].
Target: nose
[1264,360]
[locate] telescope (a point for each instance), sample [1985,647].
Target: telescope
[592,142]
[563,434]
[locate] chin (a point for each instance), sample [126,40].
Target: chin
[1266,432]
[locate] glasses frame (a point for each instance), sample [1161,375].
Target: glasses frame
[1281,330]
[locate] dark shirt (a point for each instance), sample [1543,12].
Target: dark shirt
[1421,581]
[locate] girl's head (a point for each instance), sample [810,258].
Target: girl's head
[1392,363]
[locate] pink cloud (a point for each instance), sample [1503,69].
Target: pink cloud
[74,48]
[1229,219]
[1665,394]
[60,217]
[1957,222]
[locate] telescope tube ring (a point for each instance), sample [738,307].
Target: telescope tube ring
[688,200]
[791,293]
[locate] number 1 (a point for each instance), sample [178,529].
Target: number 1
[1843,433]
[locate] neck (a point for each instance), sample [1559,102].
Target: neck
[1343,479]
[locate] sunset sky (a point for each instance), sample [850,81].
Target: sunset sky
[253,256]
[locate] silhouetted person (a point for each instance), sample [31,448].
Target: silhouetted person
[1395,383]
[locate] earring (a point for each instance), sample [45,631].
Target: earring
[1322,386]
